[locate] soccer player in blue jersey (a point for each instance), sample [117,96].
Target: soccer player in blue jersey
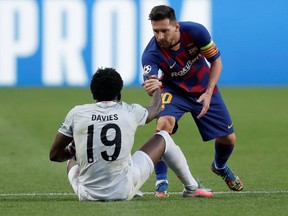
[175,59]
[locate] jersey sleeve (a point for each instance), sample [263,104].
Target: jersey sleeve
[66,128]
[210,51]
[204,41]
[150,65]
[140,113]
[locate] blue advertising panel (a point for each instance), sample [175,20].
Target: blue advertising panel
[62,43]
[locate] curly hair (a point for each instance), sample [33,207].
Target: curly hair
[106,85]
[162,12]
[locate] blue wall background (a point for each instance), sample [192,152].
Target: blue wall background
[253,38]
[251,34]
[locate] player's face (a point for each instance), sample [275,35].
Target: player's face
[165,32]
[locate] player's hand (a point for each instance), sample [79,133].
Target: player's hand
[205,99]
[151,85]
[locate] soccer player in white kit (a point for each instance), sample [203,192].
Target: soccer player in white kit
[97,139]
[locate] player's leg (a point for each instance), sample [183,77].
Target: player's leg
[144,161]
[224,146]
[176,160]
[223,149]
[174,107]
[71,163]
[217,124]
[141,170]
[73,177]
[161,186]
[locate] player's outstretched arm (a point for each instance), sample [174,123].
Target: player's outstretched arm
[155,105]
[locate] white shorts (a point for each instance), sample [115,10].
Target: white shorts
[142,169]
[73,177]
[139,172]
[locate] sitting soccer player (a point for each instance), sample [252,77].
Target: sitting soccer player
[103,134]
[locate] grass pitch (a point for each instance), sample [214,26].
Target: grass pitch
[32,185]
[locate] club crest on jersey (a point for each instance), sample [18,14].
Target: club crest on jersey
[194,51]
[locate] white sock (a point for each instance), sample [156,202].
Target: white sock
[176,161]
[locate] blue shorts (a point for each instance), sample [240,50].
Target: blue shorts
[215,123]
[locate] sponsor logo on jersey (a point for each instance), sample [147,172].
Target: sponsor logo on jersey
[187,67]
[183,71]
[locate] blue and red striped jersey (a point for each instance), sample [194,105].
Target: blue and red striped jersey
[186,69]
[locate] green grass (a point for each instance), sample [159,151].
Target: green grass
[29,119]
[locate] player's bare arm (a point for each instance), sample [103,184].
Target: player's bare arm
[155,106]
[59,151]
[215,71]
[205,98]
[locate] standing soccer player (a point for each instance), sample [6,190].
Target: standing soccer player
[177,55]
[103,136]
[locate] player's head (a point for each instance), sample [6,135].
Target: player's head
[165,26]
[106,85]
[162,12]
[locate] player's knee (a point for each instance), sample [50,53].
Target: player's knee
[229,139]
[166,123]
[71,163]
[232,138]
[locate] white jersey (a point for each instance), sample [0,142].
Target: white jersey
[104,133]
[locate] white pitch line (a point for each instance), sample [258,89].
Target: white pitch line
[38,194]
[235,192]
[149,193]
